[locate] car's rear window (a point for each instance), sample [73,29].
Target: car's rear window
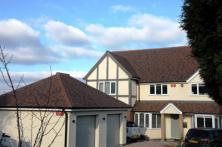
[198,134]
[131,124]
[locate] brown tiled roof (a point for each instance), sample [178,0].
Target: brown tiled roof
[174,64]
[60,91]
[200,107]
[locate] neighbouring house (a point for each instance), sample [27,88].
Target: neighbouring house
[163,86]
[88,117]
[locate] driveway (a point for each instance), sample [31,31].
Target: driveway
[152,143]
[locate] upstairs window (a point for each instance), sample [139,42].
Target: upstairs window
[158,89]
[108,87]
[198,89]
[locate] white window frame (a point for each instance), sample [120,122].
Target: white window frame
[217,118]
[155,89]
[205,116]
[220,117]
[109,86]
[198,94]
[156,120]
[150,119]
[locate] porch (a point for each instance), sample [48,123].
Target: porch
[171,123]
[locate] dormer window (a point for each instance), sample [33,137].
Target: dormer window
[158,89]
[108,87]
[198,89]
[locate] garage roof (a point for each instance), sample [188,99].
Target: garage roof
[60,91]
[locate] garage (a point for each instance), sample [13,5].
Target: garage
[85,130]
[113,127]
[84,113]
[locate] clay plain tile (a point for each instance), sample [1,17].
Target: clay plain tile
[60,91]
[200,107]
[173,64]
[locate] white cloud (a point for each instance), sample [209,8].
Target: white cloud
[143,29]
[63,42]
[121,8]
[77,52]
[65,34]
[24,44]
[22,34]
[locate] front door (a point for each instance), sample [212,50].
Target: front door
[175,126]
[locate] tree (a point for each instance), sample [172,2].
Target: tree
[202,20]
[42,121]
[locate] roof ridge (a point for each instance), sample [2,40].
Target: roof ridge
[58,75]
[161,48]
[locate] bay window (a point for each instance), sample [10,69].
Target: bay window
[147,120]
[207,121]
[204,121]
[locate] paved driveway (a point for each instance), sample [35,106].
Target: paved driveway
[152,144]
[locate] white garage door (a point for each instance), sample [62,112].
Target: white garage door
[113,127]
[85,131]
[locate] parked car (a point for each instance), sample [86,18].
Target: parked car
[132,131]
[203,138]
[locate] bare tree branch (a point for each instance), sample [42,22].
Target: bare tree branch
[47,122]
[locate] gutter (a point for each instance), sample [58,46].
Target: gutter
[66,129]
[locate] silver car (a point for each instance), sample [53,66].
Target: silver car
[132,132]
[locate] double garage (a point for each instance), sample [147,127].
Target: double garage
[98,129]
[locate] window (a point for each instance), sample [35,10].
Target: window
[208,122]
[204,121]
[198,89]
[147,120]
[194,88]
[152,89]
[101,87]
[141,124]
[155,120]
[202,89]
[200,122]
[108,87]
[158,89]
[113,87]
[136,119]
[217,122]
[164,87]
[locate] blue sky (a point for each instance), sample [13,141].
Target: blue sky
[71,35]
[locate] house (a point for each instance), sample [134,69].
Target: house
[163,86]
[88,117]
